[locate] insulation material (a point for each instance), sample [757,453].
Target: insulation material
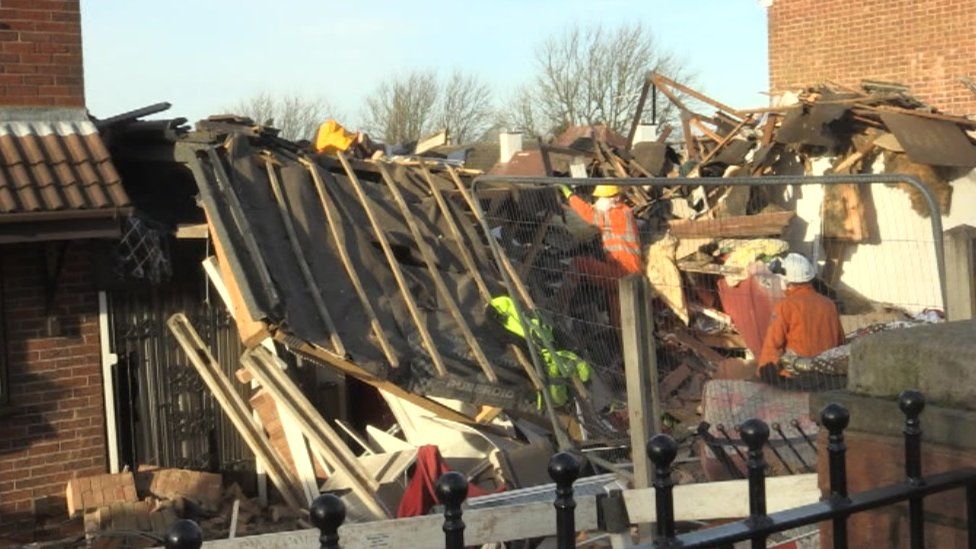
[899,163]
[664,276]
[844,215]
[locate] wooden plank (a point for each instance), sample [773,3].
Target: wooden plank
[446,299]
[265,368]
[478,279]
[675,379]
[665,133]
[311,287]
[351,432]
[640,368]
[251,330]
[710,355]
[535,246]
[706,501]
[724,500]
[431,141]
[235,408]
[697,123]
[385,441]
[488,414]
[662,81]
[742,226]
[495,524]
[527,366]
[353,369]
[192,230]
[333,221]
[722,143]
[638,112]
[212,268]
[243,225]
[391,260]
[466,258]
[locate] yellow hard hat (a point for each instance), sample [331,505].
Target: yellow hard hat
[606,191]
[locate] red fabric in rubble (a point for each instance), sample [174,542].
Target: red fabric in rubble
[420,496]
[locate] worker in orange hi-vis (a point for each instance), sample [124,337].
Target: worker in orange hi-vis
[804,324]
[621,242]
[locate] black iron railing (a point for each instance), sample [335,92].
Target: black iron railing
[328,512]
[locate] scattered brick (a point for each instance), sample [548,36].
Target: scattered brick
[90,493]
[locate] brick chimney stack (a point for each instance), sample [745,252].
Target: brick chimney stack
[40,53]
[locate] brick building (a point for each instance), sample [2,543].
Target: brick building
[927,45]
[58,191]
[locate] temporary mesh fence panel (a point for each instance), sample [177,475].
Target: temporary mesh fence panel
[706,249]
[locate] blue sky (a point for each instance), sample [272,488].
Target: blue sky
[204,55]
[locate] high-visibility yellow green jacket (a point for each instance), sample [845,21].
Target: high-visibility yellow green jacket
[561,366]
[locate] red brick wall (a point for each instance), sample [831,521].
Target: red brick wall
[52,429]
[925,44]
[40,53]
[874,461]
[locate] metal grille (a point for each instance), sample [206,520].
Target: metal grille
[706,245]
[173,420]
[143,252]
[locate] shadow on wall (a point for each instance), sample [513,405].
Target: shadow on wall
[26,435]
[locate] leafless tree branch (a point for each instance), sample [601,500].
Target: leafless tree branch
[591,75]
[466,107]
[403,108]
[295,115]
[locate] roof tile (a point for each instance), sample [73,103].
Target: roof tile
[56,166]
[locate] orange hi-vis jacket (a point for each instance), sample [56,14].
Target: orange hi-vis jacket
[620,237]
[804,322]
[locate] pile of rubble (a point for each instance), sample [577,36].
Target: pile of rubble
[135,509]
[385,269]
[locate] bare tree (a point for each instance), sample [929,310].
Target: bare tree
[404,107]
[466,108]
[521,114]
[295,115]
[591,75]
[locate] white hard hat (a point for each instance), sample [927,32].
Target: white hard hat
[798,269]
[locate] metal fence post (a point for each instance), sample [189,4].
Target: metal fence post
[564,469]
[662,450]
[183,534]
[452,490]
[912,403]
[836,418]
[755,433]
[328,512]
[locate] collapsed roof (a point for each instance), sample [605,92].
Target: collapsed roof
[368,266]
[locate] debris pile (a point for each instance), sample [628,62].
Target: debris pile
[135,509]
[387,269]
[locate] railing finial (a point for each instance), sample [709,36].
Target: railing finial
[662,450]
[911,403]
[836,418]
[452,490]
[564,469]
[327,513]
[183,534]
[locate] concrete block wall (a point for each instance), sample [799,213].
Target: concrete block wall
[52,428]
[925,44]
[40,53]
